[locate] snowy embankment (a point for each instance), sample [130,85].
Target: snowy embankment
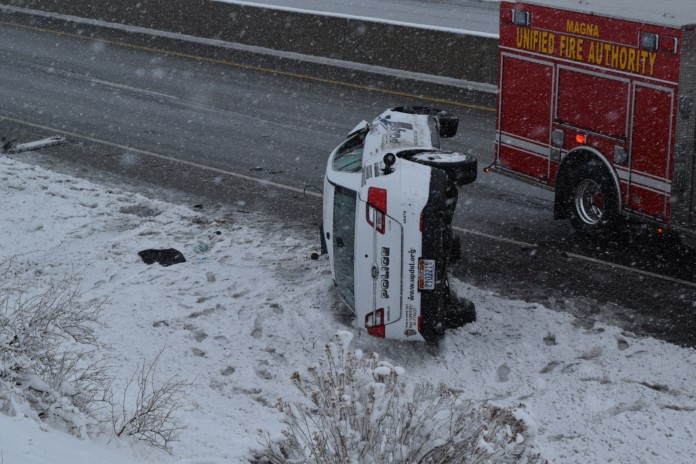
[249,307]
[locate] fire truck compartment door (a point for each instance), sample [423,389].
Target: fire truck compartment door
[649,185]
[525,116]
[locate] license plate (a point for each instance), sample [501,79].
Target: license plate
[426,274]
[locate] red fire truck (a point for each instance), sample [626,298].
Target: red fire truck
[596,101]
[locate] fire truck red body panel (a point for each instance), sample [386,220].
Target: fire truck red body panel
[616,87]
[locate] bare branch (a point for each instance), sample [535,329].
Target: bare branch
[152,418]
[48,346]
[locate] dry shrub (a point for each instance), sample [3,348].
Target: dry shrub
[359,409]
[53,367]
[49,355]
[151,417]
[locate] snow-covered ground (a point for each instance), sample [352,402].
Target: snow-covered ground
[249,307]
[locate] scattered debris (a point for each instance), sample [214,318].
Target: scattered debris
[7,144]
[12,147]
[165,257]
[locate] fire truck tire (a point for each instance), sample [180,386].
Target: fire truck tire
[461,169]
[449,123]
[593,205]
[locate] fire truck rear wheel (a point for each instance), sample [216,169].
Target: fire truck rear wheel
[593,205]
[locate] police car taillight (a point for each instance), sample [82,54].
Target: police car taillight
[377,208]
[374,323]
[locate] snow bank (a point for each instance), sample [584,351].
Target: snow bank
[249,307]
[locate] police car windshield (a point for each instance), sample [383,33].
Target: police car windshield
[349,156]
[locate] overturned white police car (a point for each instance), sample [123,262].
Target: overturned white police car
[389,197]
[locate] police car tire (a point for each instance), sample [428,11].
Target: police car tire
[596,172]
[459,312]
[460,172]
[456,251]
[322,238]
[449,123]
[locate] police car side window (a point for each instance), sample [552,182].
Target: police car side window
[349,156]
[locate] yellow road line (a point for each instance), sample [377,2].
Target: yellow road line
[250,67]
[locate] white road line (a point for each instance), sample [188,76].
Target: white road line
[495,237]
[581,257]
[631,269]
[318,195]
[94,80]
[168,158]
[128,88]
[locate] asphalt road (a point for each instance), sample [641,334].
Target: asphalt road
[213,133]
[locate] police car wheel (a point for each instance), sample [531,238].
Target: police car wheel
[448,122]
[461,169]
[322,238]
[456,251]
[458,312]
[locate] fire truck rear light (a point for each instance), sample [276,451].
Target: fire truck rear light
[376,210]
[374,323]
[649,41]
[520,18]
[581,138]
[668,44]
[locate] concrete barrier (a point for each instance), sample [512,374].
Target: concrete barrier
[426,51]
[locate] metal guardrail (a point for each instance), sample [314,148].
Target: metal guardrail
[430,52]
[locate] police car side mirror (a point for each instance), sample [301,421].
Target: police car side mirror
[389,161]
[362,125]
